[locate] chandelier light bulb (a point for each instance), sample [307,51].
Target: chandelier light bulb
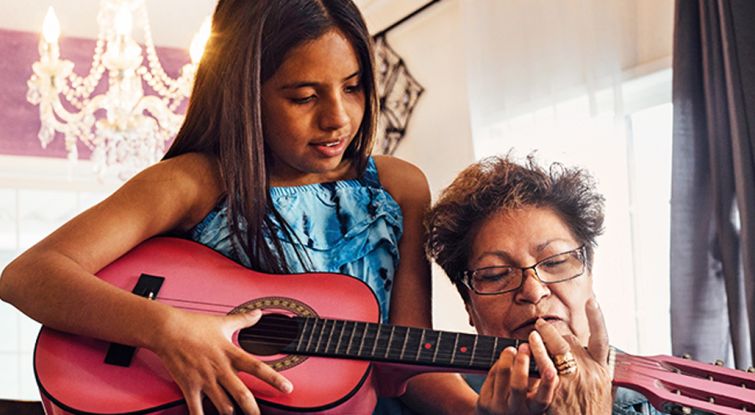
[123,21]
[199,41]
[126,108]
[51,26]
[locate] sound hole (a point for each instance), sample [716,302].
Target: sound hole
[270,335]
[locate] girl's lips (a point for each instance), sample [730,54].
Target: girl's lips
[330,148]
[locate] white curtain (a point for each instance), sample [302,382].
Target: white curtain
[563,77]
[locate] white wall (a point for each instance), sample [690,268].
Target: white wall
[439,136]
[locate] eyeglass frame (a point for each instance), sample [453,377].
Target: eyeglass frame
[467,275]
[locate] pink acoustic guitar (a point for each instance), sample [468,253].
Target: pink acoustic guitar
[336,365]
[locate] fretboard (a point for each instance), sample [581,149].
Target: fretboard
[396,344]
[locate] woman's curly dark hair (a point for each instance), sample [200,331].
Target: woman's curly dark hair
[498,184]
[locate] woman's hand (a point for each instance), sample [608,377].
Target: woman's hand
[508,389]
[587,391]
[198,352]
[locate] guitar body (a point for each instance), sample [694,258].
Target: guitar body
[74,379]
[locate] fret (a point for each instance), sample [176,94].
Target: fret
[311,333]
[437,346]
[403,346]
[364,335]
[351,337]
[444,349]
[428,346]
[377,337]
[463,356]
[397,344]
[340,336]
[456,344]
[419,346]
[484,354]
[390,339]
[474,350]
[319,338]
[330,336]
[494,355]
[301,334]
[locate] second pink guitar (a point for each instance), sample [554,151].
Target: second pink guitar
[336,365]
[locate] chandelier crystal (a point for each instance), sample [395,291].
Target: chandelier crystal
[125,128]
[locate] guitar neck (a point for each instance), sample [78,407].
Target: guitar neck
[382,342]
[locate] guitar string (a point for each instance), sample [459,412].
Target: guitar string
[479,359]
[271,340]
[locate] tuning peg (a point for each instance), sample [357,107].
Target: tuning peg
[718,362]
[679,410]
[686,356]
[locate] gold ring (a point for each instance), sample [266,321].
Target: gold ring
[565,363]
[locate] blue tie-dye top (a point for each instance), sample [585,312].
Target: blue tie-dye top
[350,227]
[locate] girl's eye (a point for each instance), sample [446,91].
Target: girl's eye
[354,88]
[302,101]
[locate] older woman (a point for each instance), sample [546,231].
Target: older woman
[518,242]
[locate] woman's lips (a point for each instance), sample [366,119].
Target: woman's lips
[529,325]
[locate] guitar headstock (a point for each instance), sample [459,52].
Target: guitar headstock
[676,385]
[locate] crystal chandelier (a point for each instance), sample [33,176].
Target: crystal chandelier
[125,128]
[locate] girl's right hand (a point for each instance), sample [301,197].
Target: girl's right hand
[198,352]
[508,390]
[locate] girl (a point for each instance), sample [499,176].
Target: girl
[271,168]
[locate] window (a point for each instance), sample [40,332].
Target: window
[37,195]
[622,136]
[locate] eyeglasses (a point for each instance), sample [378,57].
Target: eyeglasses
[502,279]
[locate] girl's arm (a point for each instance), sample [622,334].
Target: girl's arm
[437,393]
[54,283]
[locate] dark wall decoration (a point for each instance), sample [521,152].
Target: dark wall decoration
[398,92]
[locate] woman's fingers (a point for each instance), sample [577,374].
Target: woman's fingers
[493,397]
[597,345]
[554,341]
[543,395]
[520,377]
[502,375]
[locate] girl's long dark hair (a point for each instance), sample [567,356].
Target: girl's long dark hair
[249,41]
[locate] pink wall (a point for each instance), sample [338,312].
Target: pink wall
[19,120]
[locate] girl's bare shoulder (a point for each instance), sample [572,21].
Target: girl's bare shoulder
[403,180]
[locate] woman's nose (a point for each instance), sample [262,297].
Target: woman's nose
[532,289]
